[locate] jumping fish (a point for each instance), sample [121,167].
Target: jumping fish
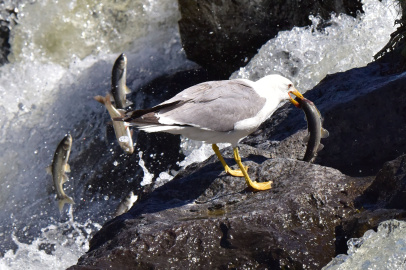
[315,131]
[123,133]
[59,167]
[126,204]
[119,89]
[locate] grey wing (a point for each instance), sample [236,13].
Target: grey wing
[215,106]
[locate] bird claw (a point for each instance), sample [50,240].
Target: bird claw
[260,186]
[237,173]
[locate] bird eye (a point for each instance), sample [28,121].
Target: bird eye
[290,85]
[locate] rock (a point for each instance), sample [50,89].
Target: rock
[389,187]
[225,35]
[364,113]
[206,219]
[8,19]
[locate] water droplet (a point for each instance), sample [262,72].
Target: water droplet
[124,139]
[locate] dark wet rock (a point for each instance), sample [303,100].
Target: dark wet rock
[382,200]
[8,19]
[364,112]
[389,187]
[205,219]
[225,35]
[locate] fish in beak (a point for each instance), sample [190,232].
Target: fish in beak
[298,94]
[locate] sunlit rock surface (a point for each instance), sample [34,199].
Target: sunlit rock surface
[224,35]
[383,249]
[204,219]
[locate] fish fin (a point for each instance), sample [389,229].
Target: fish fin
[324,133]
[132,133]
[62,202]
[127,90]
[122,112]
[128,103]
[49,169]
[100,99]
[321,146]
[306,138]
[107,100]
[64,178]
[67,168]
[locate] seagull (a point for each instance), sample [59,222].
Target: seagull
[219,112]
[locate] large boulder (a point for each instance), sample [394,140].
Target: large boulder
[224,35]
[206,219]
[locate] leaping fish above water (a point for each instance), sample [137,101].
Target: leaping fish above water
[121,129]
[59,167]
[126,204]
[119,89]
[315,131]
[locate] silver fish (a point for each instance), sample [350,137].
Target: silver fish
[315,131]
[126,204]
[59,167]
[123,132]
[119,89]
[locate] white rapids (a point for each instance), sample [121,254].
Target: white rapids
[62,54]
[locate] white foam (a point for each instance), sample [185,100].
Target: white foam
[196,151]
[306,55]
[64,242]
[147,179]
[384,249]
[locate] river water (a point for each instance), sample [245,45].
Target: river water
[63,57]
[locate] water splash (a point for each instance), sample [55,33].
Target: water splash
[58,246]
[196,151]
[80,28]
[384,249]
[147,179]
[307,54]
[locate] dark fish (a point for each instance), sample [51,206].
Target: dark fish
[59,167]
[119,89]
[315,131]
[126,204]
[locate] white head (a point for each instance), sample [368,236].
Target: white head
[283,87]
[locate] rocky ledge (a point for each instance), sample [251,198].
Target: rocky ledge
[205,219]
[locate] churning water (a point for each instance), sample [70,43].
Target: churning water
[62,56]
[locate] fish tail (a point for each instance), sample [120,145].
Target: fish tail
[62,202]
[100,99]
[107,100]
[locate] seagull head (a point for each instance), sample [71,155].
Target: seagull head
[283,86]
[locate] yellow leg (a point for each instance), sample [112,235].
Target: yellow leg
[226,168]
[254,185]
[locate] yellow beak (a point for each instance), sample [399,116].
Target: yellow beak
[298,94]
